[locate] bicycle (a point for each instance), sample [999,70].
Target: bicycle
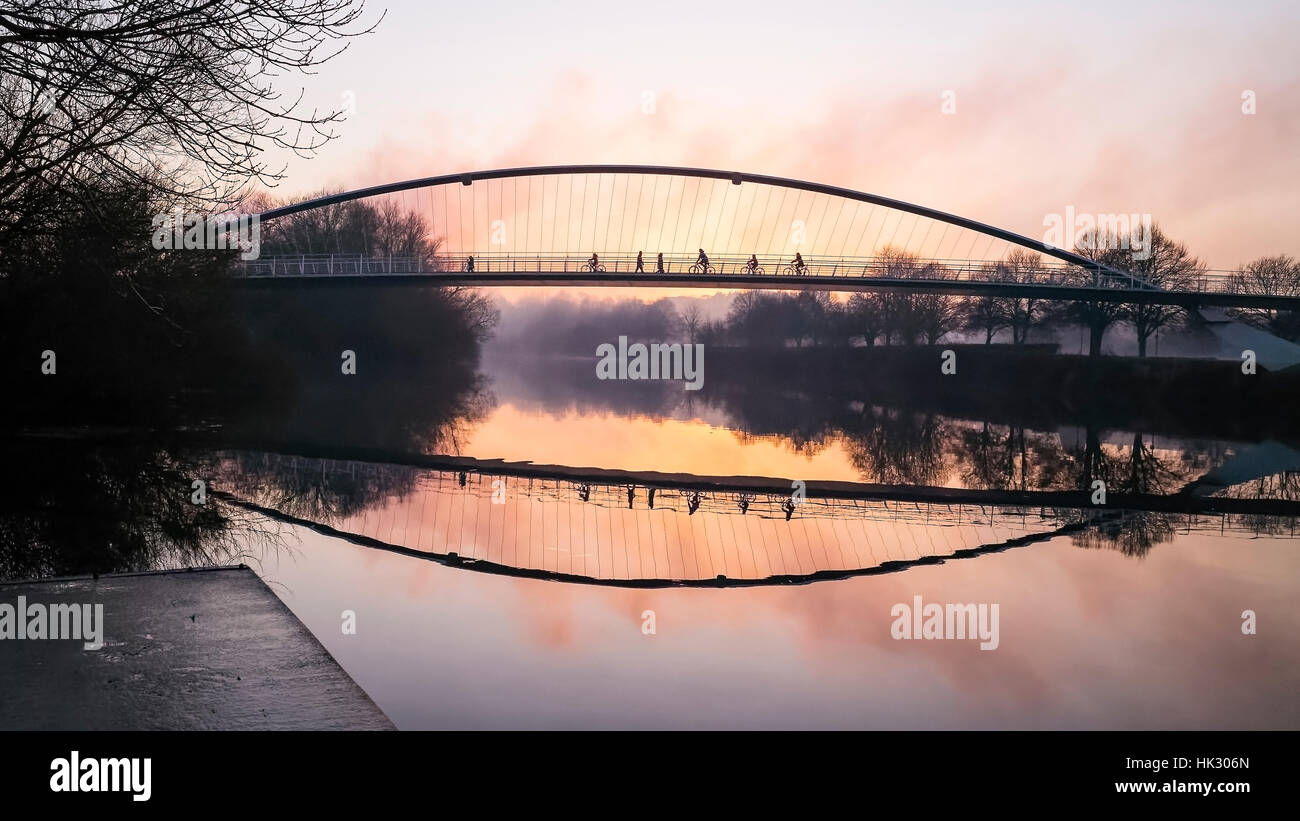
[589,267]
[795,270]
[702,269]
[756,270]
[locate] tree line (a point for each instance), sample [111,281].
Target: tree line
[758,318]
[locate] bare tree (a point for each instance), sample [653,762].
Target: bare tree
[989,314]
[817,311]
[402,233]
[865,315]
[1269,276]
[691,318]
[1024,267]
[898,309]
[934,315]
[1095,315]
[175,93]
[1165,264]
[362,227]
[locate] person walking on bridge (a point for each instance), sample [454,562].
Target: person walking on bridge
[659,263]
[640,263]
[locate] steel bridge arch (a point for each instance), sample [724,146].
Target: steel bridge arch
[735,177]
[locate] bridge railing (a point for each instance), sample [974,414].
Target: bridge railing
[334,265]
[768,265]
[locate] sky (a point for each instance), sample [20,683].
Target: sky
[1004,112]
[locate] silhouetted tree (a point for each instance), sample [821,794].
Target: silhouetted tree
[1024,267]
[1269,276]
[690,319]
[138,333]
[1095,315]
[899,308]
[373,229]
[989,314]
[1168,266]
[866,316]
[171,94]
[816,315]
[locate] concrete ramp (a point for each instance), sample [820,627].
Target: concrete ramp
[182,650]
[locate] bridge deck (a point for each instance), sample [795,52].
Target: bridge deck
[954,277]
[1189,299]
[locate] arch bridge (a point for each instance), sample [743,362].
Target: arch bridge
[663,226]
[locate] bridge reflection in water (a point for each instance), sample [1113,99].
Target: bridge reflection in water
[638,535]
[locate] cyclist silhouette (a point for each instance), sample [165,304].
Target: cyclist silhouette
[788,507]
[798,263]
[752,265]
[594,261]
[703,261]
[640,263]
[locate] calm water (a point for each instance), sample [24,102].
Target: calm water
[1128,622]
[1089,639]
[498,594]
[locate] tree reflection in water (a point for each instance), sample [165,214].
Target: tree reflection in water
[70,509]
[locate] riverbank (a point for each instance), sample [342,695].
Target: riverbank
[1027,385]
[182,650]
